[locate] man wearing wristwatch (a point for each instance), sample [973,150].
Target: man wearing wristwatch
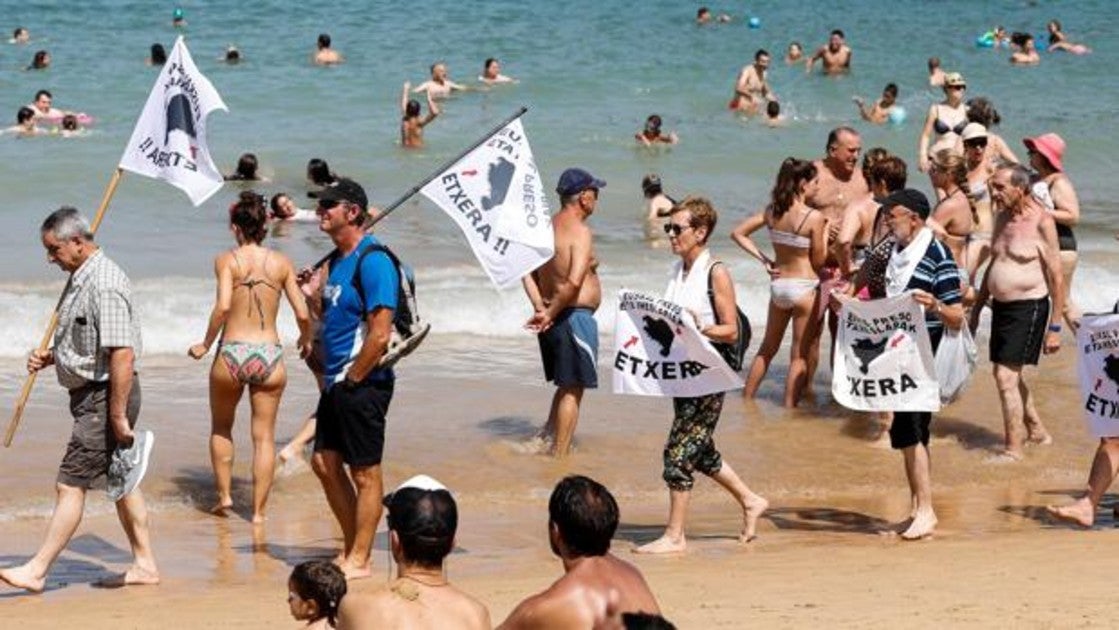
[1023,282]
[355,329]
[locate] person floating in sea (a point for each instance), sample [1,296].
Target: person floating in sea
[1025,50]
[284,209]
[704,17]
[1059,41]
[157,56]
[178,18]
[25,124]
[439,85]
[936,73]
[324,54]
[658,206]
[835,55]
[652,133]
[491,73]
[43,108]
[879,112]
[412,122]
[41,61]
[247,169]
[20,36]
[773,115]
[232,55]
[751,89]
[794,54]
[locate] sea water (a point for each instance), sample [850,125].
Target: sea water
[589,72]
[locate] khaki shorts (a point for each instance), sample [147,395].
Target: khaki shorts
[92,442]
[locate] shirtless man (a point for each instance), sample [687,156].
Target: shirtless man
[582,518]
[411,122]
[1024,275]
[751,90]
[422,519]
[836,55]
[936,73]
[658,206]
[43,108]
[439,85]
[839,184]
[879,112]
[565,292]
[325,55]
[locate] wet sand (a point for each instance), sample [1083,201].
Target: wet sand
[995,559]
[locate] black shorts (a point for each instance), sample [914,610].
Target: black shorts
[1018,331]
[351,421]
[92,441]
[910,428]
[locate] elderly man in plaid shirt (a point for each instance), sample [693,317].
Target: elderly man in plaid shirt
[94,353]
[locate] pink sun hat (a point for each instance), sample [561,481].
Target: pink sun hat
[1049,145]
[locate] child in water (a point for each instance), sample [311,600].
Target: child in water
[652,133]
[315,590]
[411,123]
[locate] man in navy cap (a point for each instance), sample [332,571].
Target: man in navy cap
[565,292]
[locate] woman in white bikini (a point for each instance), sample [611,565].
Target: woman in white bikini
[799,236]
[251,278]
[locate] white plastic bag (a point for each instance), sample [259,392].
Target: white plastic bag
[955,361]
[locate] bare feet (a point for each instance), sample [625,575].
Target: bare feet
[355,572]
[222,509]
[1040,439]
[1004,457]
[896,529]
[752,511]
[22,577]
[259,519]
[922,526]
[664,544]
[134,576]
[1081,513]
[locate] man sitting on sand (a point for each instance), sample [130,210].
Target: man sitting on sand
[422,519]
[582,518]
[325,55]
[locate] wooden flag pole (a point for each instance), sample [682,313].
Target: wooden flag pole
[25,393]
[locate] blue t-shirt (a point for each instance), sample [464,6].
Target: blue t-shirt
[343,326]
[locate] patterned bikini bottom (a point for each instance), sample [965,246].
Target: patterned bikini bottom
[251,363]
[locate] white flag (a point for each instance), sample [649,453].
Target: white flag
[660,352]
[495,195]
[883,357]
[1097,342]
[169,141]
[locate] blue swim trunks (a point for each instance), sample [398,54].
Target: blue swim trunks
[569,349]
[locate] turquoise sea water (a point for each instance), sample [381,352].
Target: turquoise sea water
[589,72]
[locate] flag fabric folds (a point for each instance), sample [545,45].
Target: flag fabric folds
[1097,361]
[169,140]
[495,195]
[659,351]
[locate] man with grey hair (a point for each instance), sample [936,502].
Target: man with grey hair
[94,354]
[1023,277]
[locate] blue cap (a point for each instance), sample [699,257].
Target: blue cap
[576,180]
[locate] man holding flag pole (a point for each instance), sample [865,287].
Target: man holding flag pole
[97,344]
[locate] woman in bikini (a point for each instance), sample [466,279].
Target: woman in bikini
[981,110]
[979,171]
[251,278]
[799,235]
[955,216]
[1055,191]
[944,124]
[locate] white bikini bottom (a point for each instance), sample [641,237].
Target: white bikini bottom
[786,292]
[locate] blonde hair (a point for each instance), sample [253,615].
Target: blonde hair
[702,213]
[955,166]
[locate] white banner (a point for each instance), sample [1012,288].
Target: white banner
[660,352]
[169,141]
[495,195]
[883,357]
[1097,362]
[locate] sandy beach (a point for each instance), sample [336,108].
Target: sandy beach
[995,559]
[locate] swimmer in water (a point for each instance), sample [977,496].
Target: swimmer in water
[751,89]
[43,109]
[1001,37]
[652,133]
[794,54]
[836,55]
[25,124]
[658,206]
[41,61]
[879,112]
[1059,41]
[412,123]
[773,115]
[703,17]
[936,73]
[71,128]
[324,54]
[232,56]
[158,55]
[284,209]
[246,171]
[439,85]
[20,36]
[178,19]
[1026,53]
[491,73]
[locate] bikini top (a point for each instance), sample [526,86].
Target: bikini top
[791,239]
[978,190]
[251,284]
[942,127]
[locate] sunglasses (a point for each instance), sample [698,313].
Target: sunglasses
[957,87]
[975,144]
[675,230]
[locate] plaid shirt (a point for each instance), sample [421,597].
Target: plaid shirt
[96,314]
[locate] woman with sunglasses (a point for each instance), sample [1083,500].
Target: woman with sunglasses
[691,445]
[251,279]
[944,124]
[799,236]
[981,110]
[976,143]
[1055,191]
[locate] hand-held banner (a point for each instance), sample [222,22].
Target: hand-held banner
[883,357]
[495,195]
[169,141]
[660,352]
[1097,363]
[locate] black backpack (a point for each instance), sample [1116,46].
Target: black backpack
[733,353]
[408,330]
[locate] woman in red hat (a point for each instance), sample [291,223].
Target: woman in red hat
[1054,189]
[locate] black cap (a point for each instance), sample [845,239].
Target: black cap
[910,199]
[576,180]
[344,190]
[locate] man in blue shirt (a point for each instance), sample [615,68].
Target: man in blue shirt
[355,327]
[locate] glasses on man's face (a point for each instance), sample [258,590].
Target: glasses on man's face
[975,144]
[673,229]
[957,87]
